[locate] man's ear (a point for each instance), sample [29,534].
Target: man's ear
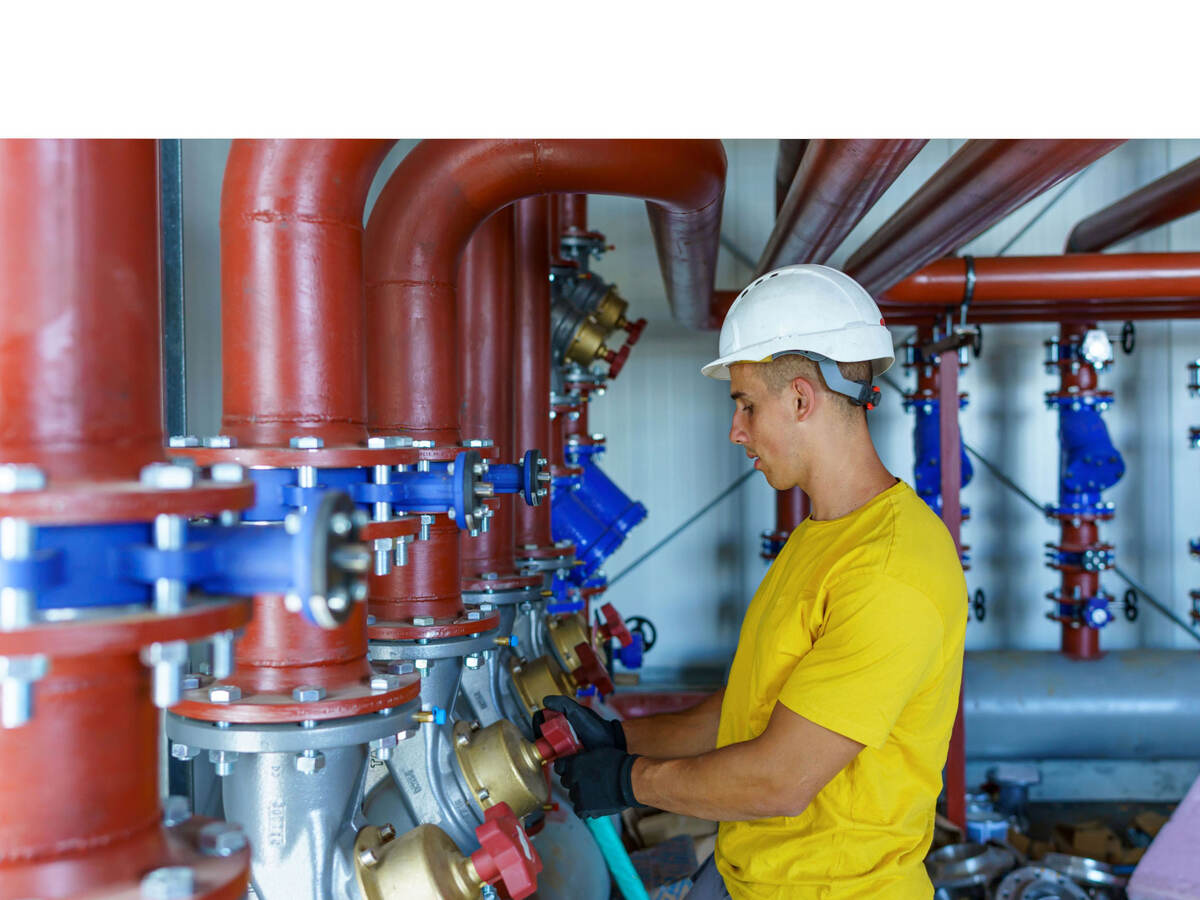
[803,397]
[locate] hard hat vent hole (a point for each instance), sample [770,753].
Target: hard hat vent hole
[773,274]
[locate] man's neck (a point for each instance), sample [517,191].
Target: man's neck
[844,477]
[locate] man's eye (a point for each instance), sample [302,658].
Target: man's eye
[747,409]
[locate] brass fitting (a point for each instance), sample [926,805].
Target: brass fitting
[566,633]
[610,311]
[537,679]
[421,864]
[500,766]
[587,345]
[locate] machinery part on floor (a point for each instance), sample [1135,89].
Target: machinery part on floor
[1089,464]
[95,618]
[979,185]
[961,870]
[1164,200]
[835,184]
[1087,873]
[629,883]
[1038,883]
[1022,705]
[423,864]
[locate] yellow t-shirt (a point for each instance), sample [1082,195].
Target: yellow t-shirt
[858,626]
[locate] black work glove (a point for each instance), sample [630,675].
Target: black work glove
[593,731]
[599,782]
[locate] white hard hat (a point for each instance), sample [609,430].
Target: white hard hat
[803,308]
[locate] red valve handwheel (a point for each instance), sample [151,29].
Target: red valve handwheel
[634,331]
[591,670]
[616,360]
[614,626]
[557,739]
[505,853]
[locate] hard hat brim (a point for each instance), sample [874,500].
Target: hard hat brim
[852,344]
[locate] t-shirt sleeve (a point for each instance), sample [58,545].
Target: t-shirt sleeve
[879,641]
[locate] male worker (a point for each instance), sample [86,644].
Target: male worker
[822,756]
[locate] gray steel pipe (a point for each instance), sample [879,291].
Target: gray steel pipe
[1130,704]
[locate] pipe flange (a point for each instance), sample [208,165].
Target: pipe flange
[1038,883]
[494,590]
[968,865]
[1085,871]
[383,649]
[114,502]
[371,695]
[347,456]
[294,737]
[430,628]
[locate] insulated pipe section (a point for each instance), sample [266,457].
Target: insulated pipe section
[1094,277]
[82,373]
[443,190]
[836,184]
[979,185]
[1175,195]
[291,289]
[787,162]
[1128,704]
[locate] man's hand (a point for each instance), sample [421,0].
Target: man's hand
[594,731]
[599,782]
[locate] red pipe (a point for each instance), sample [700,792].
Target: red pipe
[1083,276]
[791,153]
[1171,197]
[981,184]
[291,289]
[443,190]
[836,184]
[1078,311]
[573,213]
[531,355]
[485,297]
[82,371]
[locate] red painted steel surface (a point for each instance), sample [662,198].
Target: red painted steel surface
[1084,276]
[439,195]
[636,704]
[791,508]
[951,470]
[80,321]
[1171,197]
[1070,311]
[836,184]
[291,288]
[531,356]
[791,154]
[428,585]
[983,182]
[486,309]
[573,213]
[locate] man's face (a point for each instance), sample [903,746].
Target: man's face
[763,425]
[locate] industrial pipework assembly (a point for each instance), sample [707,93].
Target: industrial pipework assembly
[1088,465]
[1193,385]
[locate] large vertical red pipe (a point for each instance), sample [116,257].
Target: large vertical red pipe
[979,185]
[81,376]
[951,470]
[531,354]
[573,213]
[292,290]
[485,299]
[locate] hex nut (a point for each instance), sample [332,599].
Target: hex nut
[220,441]
[224,693]
[308,693]
[306,442]
[176,809]
[422,620]
[168,883]
[402,667]
[220,839]
[382,683]
[24,668]
[183,440]
[310,762]
[227,473]
[166,476]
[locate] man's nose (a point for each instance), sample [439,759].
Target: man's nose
[736,434]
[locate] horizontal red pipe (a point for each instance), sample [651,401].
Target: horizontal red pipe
[443,190]
[1054,312]
[1079,276]
[1171,197]
[291,289]
[979,185]
[836,184]
[81,366]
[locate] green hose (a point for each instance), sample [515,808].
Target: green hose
[626,877]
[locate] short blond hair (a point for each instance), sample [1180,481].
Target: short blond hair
[778,373]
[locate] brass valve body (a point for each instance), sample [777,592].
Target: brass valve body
[538,679]
[421,864]
[566,633]
[501,766]
[588,343]
[610,311]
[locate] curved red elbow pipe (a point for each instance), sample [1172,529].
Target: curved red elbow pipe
[440,194]
[291,289]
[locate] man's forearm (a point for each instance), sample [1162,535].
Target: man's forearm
[671,735]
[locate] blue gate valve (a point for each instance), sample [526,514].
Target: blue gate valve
[927,451]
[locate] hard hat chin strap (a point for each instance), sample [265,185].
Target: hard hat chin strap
[861,393]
